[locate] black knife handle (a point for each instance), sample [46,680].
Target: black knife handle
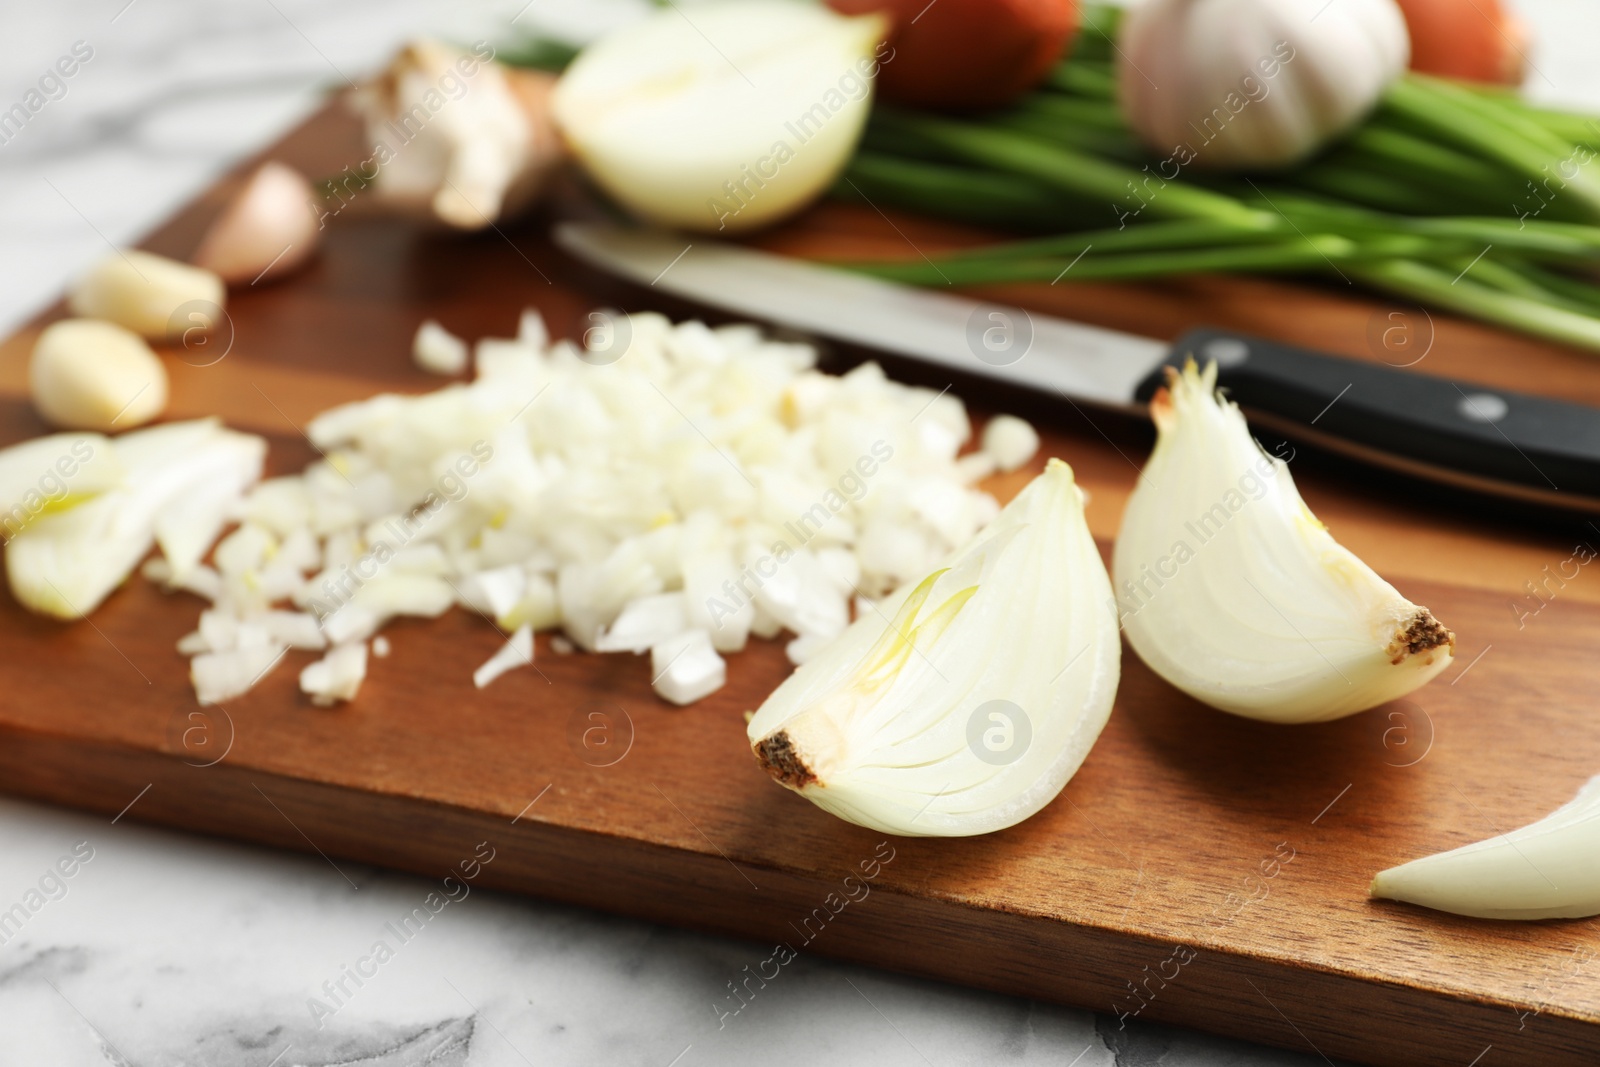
[1477,436]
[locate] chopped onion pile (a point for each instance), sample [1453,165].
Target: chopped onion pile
[707,485]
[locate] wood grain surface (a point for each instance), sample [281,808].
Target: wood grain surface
[1164,855]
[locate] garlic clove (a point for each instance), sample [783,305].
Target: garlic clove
[90,375]
[727,135]
[1549,869]
[268,230]
[456,137]
[145,292]
[963,703]
[1246,83]
[1230,589]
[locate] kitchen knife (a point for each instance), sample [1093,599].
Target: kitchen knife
[1463,434]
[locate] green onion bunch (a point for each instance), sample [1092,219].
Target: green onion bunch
[1460,197]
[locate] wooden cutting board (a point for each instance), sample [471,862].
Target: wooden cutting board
[1200,869]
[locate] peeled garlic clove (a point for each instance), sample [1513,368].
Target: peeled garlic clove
[729,121]
[268,230]
[89,375]
[456,137]
[963,703]
[1549,869]
[1230,589]
[144,292]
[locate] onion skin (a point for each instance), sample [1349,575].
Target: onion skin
[1474,40]
[268,231]
[968,53]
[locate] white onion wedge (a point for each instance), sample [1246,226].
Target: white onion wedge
[65,563]
[50,474]
[963,703]
[1230,589]
[1549,869]
[729,118]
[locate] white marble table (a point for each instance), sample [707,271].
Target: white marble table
[163,949]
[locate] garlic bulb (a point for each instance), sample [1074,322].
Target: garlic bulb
[1241,83]
[963,703]
[69,560]
[268,230]
[92,375]
[1230,589]
[455,136]
[729,121]
[1549,869]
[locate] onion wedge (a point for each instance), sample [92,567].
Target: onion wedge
[964,703]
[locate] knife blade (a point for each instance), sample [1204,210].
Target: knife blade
[1458,433]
